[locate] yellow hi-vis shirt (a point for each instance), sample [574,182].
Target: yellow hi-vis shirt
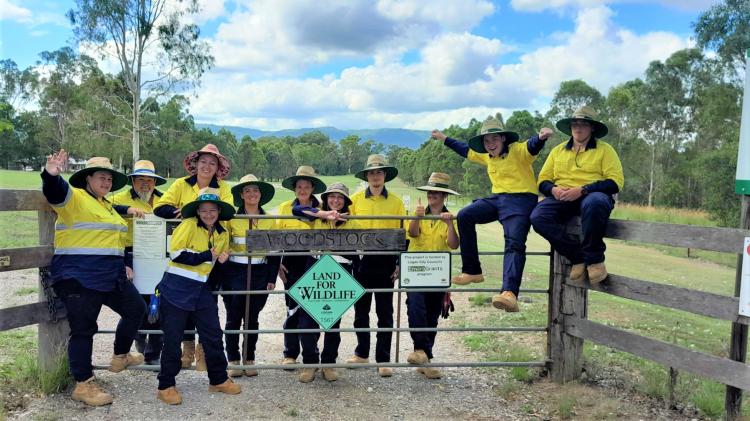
[363,203]
[130,198]
[180,193]
[190,237]
[433,236]
[292,224]
[567,168]
[511,173]
[238,230]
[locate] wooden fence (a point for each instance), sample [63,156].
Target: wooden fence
[568,325]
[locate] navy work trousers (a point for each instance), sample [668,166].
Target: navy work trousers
[423,309]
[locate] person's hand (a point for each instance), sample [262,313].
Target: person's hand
[178,213]
[282,273]
[330,215]
[557,192]
[395,273]
[138,213]
[270,286]
[571,194]
[56,162]
[437,134]
[129,273]
[419,210]
[214,254]
[446,217]
[545,133]
[223,257]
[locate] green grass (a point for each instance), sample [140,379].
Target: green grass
[26,291]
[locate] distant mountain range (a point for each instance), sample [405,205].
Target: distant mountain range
[401,137]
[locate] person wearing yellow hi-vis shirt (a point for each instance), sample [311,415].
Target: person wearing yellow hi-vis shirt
[579,177]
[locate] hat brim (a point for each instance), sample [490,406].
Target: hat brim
[390,172]
[159,179]
[599,129]
[440,189]
[476,143]
[324,197]
[190,163]
[318,185]
[226,211]
[266,192]
[78,179]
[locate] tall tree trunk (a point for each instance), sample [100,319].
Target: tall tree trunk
[136,125]
[651,176]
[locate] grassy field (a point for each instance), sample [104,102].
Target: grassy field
[706,271]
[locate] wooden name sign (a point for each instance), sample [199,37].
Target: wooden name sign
[333,240]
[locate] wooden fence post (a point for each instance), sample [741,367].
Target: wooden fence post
[565,351]
[53,335]
[738,341]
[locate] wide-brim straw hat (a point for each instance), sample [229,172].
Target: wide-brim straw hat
[266,190]
[191,161]
[305,172]
[94,164]
[145,168]
[339,188]
[375,162]
[585,113]
[489,126]
[208,195]
[439,181]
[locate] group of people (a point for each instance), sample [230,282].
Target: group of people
[93,264]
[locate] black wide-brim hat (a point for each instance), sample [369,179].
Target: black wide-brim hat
[491,126]
[378,162]
[98,163]
[585,113]
[266,190]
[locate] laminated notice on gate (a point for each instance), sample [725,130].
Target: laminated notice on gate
[425,270]
[151,236]
[745,281]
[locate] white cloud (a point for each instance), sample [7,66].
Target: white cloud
[539,5]
[11,11]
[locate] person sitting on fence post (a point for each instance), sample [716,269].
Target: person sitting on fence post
[424,308]
[579,177]
[508,163]
[305,184]
[335,207]
[197,244]
[142,195]
[88,269]
[376,271]
[250,195]
[206,168]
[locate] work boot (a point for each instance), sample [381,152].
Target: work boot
[330,374]
[90,393]
[577,272]
[122,361]
[229,387]
[169,396]
[200,358]
[385,371]
[466,279]
[429,372]
[288,361]
[356,359]
[188,353]
[507,301]
[234,372]
[251,372]
[306,375]
[418,357]
[597,272]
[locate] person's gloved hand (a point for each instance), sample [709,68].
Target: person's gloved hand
[448,306]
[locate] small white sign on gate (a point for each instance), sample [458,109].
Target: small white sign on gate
[425,270]
[745,281]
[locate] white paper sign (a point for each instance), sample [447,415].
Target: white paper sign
[425,270]
[407,201]
[745,281]
[150,252]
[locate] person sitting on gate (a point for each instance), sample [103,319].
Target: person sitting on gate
[142,196]
[197,243]
[376,271]
[508,163]
[579,177]
[334,209]
[424,308]
[88,269]
[305,184]
[250,195]
[206,168]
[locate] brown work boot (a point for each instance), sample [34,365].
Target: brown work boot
[418,357]
[597,272]
[251,372]
[229,387]
[90,393]
[507,301]
[288,361]
[385,371]
[356,359]
[330,374]
[429,372]
[234,372]
[577,272]
[200,358]
[122,361]
[466,279]
[306,375]
[169,396]
[188,353]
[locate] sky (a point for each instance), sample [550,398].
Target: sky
[414,64]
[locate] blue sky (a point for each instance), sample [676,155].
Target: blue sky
[393,63]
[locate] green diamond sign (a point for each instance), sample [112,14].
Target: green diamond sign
[326,291]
